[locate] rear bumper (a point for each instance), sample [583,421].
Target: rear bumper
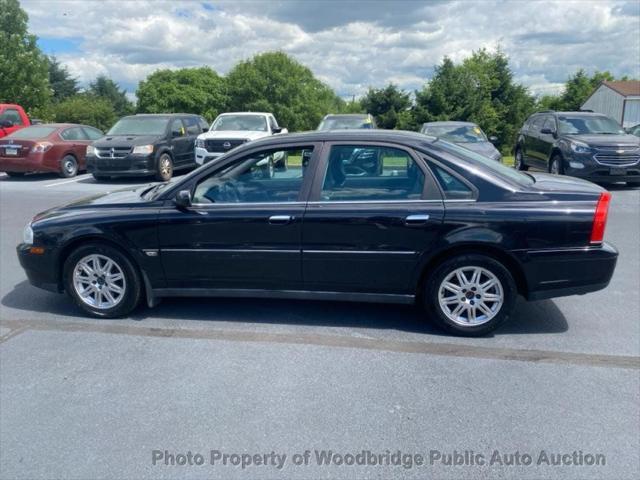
[571,271]
[26,164]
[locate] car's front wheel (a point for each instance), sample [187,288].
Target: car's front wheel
[556,166]
[102,281]
[164,170]
[519,161]
[470,295]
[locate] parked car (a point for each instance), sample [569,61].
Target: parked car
[440,225]
[230,130]
[347,121]
[52,147]
[634,130]
[12,118]
[581,144]
[145,145]
[465,134]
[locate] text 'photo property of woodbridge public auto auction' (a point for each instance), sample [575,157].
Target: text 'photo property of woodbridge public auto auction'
[320,239]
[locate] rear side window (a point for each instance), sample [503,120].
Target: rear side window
[362,172]
[75,133]
[536,124]
[452,187]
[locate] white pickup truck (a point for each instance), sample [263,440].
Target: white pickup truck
[232,129]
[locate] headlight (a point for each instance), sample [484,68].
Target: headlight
[199,143]
[579,147]
[143,150]
[27,234]
[91,150]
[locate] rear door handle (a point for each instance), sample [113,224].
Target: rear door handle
[280,219]
[416,220]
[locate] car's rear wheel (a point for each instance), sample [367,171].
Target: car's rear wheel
[68,166]
[470,295]
[102,281]
[557,165]
[164,170]
[519,161]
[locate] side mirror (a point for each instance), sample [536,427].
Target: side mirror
[6,124]
[280,130]
[493,139]
[547,131]
[183,199]
[205,129]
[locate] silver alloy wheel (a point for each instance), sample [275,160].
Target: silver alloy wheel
[555,166]
[69,166]
[470,296]
[518,160]
[165,166]
[99,281]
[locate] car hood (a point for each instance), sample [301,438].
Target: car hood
[607,140]
[483,148]
[232,135]
[547,182]
[125,140]
[125,198]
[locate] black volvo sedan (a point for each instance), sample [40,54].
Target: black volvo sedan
[435,224]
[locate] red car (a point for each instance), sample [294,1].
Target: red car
[53,147]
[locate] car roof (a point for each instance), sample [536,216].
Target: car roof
[448,123]
[352,135]
[162,115]
[244,113]
[574,113]
[354,115]
[58,125]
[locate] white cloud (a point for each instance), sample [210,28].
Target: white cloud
[350,45]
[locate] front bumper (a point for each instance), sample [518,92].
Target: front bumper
[203,155]
[41,270]
[586,167]
[553,273]
[129,166]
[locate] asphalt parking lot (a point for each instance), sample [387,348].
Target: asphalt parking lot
[84,398]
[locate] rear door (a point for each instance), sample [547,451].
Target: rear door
[365,229]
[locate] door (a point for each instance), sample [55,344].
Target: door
[244,227]
[180,144]
[531,140]
[193,130]
[547,140]
[366,226]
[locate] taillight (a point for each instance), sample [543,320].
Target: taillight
[600,218]
[41,147]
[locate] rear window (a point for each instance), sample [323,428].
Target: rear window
[32,133]
[496,167]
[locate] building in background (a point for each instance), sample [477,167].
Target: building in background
[618,100]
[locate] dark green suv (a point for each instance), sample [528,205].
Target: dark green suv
[581,144]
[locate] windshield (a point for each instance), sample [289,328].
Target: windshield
[345,123]
[588,124]
[497,167]
[32,133]
[457,133]
[254,123]
[140,126]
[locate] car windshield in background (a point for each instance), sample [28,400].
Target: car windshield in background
[32,133]
[457,133]
[140,126]
[578,125]
[497,167]
[345,123]
[254,123]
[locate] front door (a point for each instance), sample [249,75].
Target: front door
[181,145]
[244,227]
[375,209]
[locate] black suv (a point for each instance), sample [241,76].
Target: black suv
[582,144]
[145,145]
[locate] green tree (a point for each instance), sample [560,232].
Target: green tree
[274,82]
[86,109]
[23,67]
[386,104]
[63,85]
[189,90]
[103,87]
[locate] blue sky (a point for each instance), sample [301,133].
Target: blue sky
[349,44]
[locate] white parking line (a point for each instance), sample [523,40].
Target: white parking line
[78,178]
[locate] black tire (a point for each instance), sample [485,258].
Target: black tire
[556,165]
[132,285]
[99,178]
[443,270]
[15,174]
[68,166]
[518,162]
[164,168]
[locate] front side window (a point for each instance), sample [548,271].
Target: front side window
[192,126]
[258,178]
[177,128]
[361,172]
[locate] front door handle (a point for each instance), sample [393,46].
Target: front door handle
[280,219]
[416,220]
